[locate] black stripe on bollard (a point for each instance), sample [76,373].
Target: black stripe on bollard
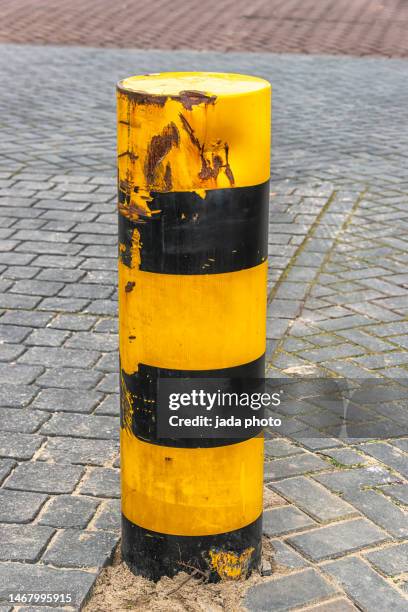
[153,554]
[225,231]
[139,394]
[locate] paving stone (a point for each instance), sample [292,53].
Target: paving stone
[18,445]
[26,318]
[13,333]
[338,539]
[388,455]
[81,451]
[288,592]
[45,477]
[313,498]
[92,341]
[281,448]
[66,400]
[283,520]
[76,548]
[69,378]
[23,542]
[292,466]
[109,407]
[69,511]
[6,466]
[101,482]
[46,337]
[381,510]
[391,561]
[22,577]
[36,287]
[82,426]
[399,492]
[285,557]
[349,480]
[109,384]
[109,362]
[365,586]
[17,395]
[18,507]
[337,605]
[108,516]
[347,456]
[22,421]
[59,357]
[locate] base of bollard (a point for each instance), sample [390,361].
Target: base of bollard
[232,555]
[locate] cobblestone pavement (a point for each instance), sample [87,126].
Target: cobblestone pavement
[349,27]
[337,306]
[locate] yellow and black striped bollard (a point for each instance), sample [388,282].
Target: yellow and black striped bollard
[193,160]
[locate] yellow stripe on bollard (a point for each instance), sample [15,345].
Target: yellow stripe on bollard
[193,187]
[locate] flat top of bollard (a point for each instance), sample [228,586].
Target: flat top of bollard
[205,83]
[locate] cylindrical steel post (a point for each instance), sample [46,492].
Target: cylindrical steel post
[194,166]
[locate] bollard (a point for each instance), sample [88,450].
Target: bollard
[193,179]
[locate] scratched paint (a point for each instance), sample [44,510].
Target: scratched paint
[229,565]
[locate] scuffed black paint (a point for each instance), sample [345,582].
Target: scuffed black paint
[153,554]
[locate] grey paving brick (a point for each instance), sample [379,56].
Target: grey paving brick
[398,492]
[365,586]
[82,290]
[285,519]
[6,466]
[281,448]
[108,516]
[26,318]
[14,301]
[45,477]
[347,456]
[13,333]
[292,466]
[109,407]
[22,577]
[46,337]
[10,352]
[83,451]
[64,276]
[19,507]
[23,542]
[66,400]
[23,421]
[59,357]
[69,378]
[109,383]
[77,548]
[73,322]
[381,510]
[336,605]
[391,561]
[17,395]
[36,287]
[82,426]
[285,557]
[93,341]
[313,498]
[101,482]
[338,539]
[69,511]
[288,592]
[348,480]
[388,455]
[60,304]
[18,445]
[109,362]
